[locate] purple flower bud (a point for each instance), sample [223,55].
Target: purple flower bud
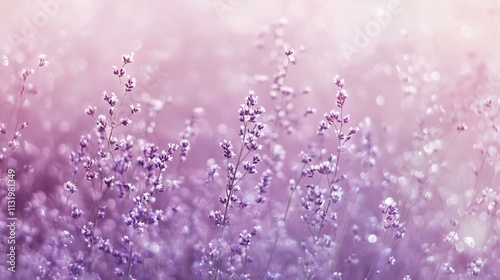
[120,72]
[75,211]
[227,147]
[128,58]
[135,108]
[461,127]
[70,186]
[41,60]
[322,127]
[110,98]
[125,121]
[338,82]
[25,73]
[251,99]
[90,110]
[217,218]
[131,83]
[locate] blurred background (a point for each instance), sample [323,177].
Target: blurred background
[397,57]
[413,69]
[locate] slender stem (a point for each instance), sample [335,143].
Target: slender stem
[449,146]
[339,149]
[129,269]
[247,248]
[371,268]
[19,109]
[229,190]
[343,227]
[455,233]
[113,121]
[232,182]
[66,204]
[278,109]
[284,217]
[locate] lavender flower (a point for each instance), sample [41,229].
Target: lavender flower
[264,183]
[71,187]
[227,147]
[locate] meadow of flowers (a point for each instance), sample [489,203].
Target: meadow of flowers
[249,139]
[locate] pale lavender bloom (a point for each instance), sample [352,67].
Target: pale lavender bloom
[71,187]
[42,60]
[128,58]
[227,147]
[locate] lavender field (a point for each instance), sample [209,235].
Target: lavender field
[249,139]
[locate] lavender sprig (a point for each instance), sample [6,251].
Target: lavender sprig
[250,132]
